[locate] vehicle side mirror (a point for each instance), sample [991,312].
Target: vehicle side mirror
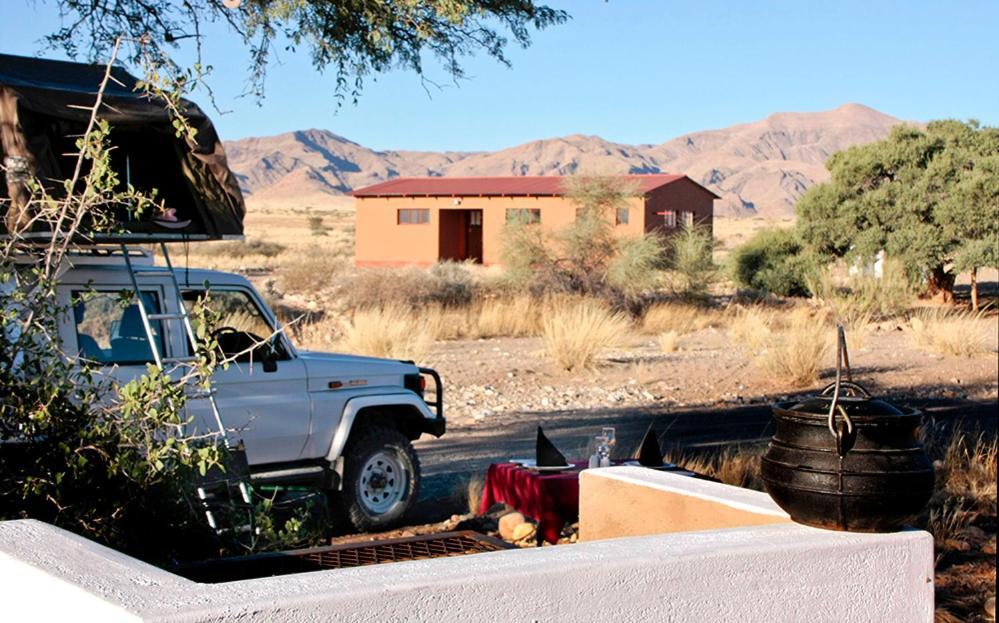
[268,354]
[269,364]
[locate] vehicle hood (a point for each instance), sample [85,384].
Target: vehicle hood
[353,371]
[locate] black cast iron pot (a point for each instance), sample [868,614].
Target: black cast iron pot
[846,461]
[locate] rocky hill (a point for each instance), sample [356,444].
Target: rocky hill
[758,168]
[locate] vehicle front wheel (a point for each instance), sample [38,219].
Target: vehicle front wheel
[381,478]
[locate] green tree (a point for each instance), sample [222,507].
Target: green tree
[588,245]
[924,196]
[353,37]
[586,256]
[969,209]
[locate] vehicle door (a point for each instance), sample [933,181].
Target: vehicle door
[262,394]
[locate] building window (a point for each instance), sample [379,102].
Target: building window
[524,216]
[413,216]
[687,218]
[669,219]
[622,216]
[475,218]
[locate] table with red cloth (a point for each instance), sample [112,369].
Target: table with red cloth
[551,498]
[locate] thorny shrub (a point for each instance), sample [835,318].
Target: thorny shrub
[113,461]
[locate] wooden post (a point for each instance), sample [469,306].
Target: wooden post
[974,289]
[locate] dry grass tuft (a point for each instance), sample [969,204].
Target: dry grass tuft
[669,341]
[519,316]
[681,318]
[393,332]
[574,333]
[473,492]
[954,334]
[733,465]
[751,327]
[796,353]
[644,373]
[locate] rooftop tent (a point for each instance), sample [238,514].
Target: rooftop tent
[42,113]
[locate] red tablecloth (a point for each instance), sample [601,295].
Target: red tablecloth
[552,499]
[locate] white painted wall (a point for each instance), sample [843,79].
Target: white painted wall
[783,572]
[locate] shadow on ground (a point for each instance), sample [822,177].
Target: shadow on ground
[449,462]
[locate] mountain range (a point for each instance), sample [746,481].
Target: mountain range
[758,168]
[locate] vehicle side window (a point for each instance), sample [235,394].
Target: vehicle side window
[109,327]
[237,313]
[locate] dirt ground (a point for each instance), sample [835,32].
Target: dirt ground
[490,381]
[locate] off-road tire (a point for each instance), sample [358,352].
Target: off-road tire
[377,453]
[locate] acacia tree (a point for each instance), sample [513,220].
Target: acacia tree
[352,37]
[924,196]
[969,208]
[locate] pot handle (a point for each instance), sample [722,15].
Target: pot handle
[842,361]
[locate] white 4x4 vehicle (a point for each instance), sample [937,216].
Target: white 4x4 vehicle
[339,422]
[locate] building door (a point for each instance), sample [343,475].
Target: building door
[474,233]
[461,235]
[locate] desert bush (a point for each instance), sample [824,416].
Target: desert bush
[575,332]
[378,287]
[953,333]
[239,249]
[527,260]
[690,258]
[393,332]
[635,267]
[774,261]
[311,271]
[316,225]
[585,257]
[453,284]
[797,353]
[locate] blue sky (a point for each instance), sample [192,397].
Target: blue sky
[639,71]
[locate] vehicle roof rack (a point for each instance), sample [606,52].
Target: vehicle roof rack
[94,256]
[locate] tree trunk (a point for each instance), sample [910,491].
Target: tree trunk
[940,286]
[974,289]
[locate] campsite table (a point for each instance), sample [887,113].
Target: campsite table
[550,498]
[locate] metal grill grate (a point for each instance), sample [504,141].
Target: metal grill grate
[344,556]
[412,548]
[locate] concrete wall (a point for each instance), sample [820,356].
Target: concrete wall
[773,573]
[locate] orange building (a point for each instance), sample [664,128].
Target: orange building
[425,220]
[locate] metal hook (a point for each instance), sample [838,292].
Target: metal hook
[842,360]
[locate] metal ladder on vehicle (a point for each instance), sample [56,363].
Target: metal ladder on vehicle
[205,494]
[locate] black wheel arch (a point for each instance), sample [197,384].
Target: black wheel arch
[406,418]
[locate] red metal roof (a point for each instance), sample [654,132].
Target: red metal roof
[514,186]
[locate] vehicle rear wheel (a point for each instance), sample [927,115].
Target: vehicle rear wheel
[381,478]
